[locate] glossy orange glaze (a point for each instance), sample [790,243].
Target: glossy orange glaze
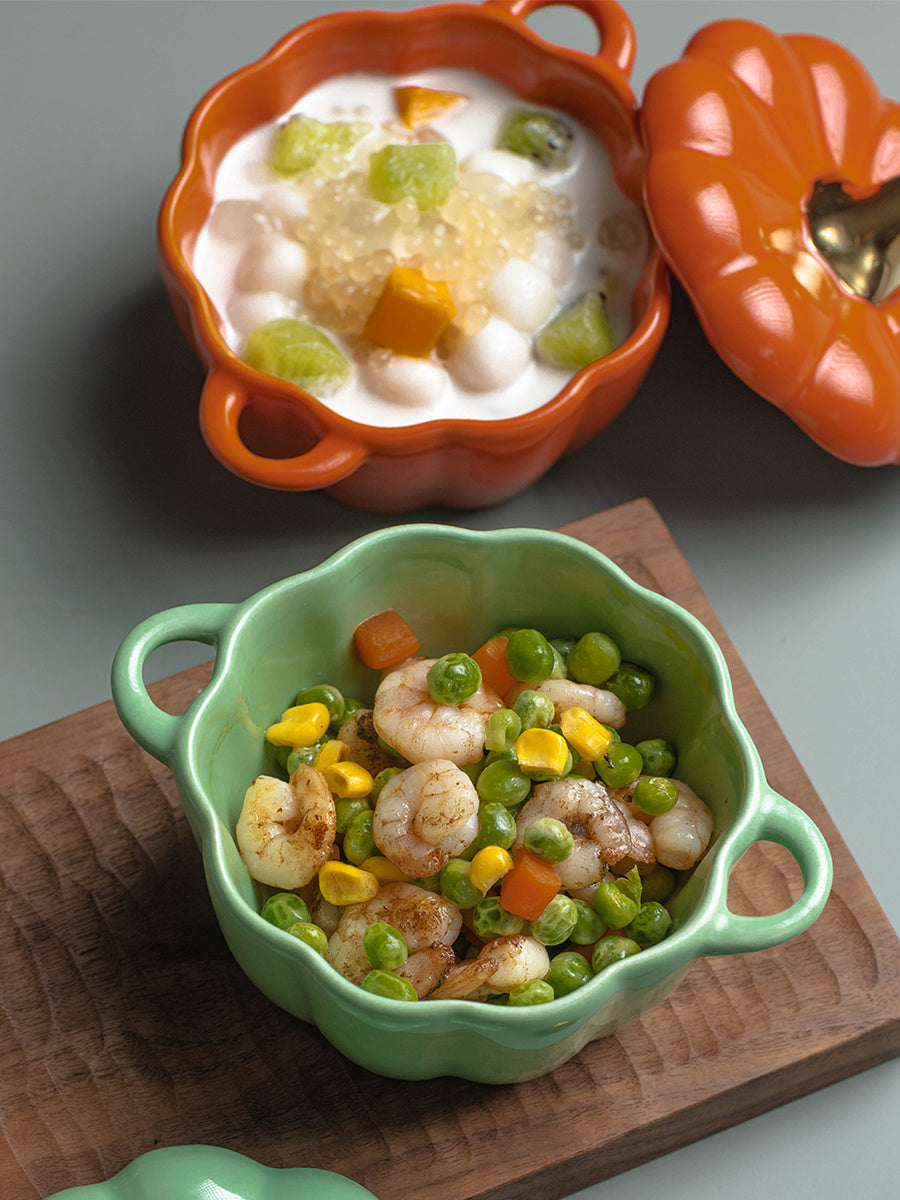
[276,434]
[739,132]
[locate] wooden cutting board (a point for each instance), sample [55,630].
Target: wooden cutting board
[126,1025]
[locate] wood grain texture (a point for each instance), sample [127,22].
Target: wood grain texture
[125,1024]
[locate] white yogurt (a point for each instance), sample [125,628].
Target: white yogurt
[251,263]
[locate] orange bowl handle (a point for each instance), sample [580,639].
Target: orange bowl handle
[330,460]
[618,44]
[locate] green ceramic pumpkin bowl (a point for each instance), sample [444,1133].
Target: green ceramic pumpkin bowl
[456,587]
[212,1173]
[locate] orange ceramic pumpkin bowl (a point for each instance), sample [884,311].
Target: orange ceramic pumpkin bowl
[275,434]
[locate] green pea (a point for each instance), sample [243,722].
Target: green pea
[589,927]
[490,919]
[499,999]
[346,809]
[359,844]
[654,795]
[352,705]
[282,754]
[534,709]
[632,684]
[384,946]
[560,667]
[593,659]
[502,729]
[503,782]
[284,909]
[536,991]
[473,770]
[496,827]
[456,885]
[431,883]
[612,949]
[658,755]
[659,884]
[379,781]
[529,657]
[327,694]
[312,934]
[563,645]
[453,679]
[297,755]
[650,925]
[556,922]
[568,972]
[619,766]
[548,839]
[387,983]
[613,733]
[613,906]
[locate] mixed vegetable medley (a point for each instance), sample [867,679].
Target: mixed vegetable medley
[483,831]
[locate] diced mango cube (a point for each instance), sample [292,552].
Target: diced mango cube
[417,105]
[411,313]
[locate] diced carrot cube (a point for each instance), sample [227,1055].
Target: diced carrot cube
[529,887]
[411,313]
[384,640]
[491,659]
[417,105]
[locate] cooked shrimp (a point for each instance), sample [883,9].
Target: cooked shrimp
[286,830]
[602,705]
[425,919]
[501,965]
[424,816]
[427,968]
[361,739]
[681,835]
[420,728]
[595,820]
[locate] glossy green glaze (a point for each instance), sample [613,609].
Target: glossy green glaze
[457,587]
[211,1173]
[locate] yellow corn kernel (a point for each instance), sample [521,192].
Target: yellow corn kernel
[488,867]
[341,883]
[300,726]
[542,753]
[383,870]
[411,313]
[331,752]
[585,734]
[348,780]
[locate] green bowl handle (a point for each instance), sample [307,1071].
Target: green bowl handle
[788,826]
[148,724]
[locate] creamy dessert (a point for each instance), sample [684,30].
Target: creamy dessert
[421,247]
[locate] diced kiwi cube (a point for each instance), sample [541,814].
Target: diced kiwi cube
[301,140]
[536,135]
[425,171]
[579,335]
[300,353]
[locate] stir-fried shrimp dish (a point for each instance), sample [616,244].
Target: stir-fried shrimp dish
[483,830]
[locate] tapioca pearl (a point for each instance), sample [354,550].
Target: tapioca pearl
[272,263]
[285,206]
[414,382]
[522,294]
[492,358]
[237,220]
[512,168]
[553,255]
[248,310]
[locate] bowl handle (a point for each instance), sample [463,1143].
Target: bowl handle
[788,826]
[223,400]
[148,724]
[618,44]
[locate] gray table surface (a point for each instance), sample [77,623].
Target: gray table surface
[113,509]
